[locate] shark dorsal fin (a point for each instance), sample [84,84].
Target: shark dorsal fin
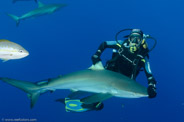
[97,66]
[40,4]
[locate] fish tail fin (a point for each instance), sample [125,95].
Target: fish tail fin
[33,90]
[16,18]
[36,1]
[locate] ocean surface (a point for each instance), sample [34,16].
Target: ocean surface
[63,42]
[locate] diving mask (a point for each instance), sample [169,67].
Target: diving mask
[135,38]
[135,42]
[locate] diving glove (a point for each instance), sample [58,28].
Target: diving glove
[95,59]
[151,91]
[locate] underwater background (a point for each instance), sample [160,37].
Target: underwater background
[63,42]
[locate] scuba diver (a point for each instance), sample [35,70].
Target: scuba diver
[129,57]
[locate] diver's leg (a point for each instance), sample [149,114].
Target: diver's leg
[94,106]
[62,100]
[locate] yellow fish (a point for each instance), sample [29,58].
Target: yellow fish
[10,50]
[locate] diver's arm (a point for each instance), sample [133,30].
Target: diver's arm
[151,80]
[107,44]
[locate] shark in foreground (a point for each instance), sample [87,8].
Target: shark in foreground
[103,83]
[41,10]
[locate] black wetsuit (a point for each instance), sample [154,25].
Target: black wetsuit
[125,62]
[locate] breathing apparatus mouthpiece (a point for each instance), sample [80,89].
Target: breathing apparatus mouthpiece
[133,47]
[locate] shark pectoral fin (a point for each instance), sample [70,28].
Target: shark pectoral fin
[77,94]
[97,66]
[96,98]
[40,4]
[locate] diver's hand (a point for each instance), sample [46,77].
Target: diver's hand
[151,91]
[95,59]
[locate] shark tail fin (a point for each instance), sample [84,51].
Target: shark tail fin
[36,1]
[16,18]
[30,88]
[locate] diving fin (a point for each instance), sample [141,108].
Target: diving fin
[95,98]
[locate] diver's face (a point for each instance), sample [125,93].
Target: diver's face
[135,42]
[135,39]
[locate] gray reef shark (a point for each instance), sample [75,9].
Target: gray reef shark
[103,83]
[41,10]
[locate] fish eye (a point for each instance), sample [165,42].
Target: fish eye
[20,51]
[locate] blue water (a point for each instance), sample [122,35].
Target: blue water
[64,42]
